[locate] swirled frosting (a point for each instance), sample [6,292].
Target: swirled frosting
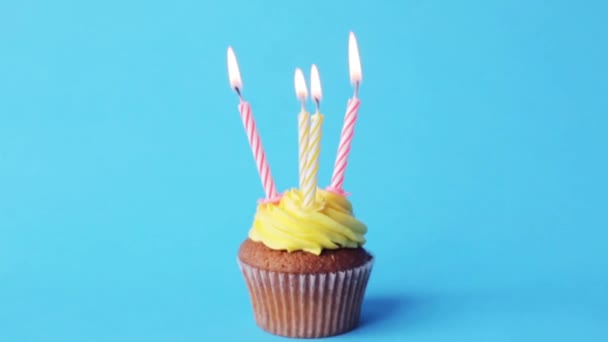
[287,225]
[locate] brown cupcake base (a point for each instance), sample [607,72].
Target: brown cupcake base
[331,260]
[307,305]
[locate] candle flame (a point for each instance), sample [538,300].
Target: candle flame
[315,84]
[354,62]
[234,75]
[300,84]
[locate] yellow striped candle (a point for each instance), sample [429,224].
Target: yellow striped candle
[314,141]
[303,127]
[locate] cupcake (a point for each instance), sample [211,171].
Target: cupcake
[303,261]
[306,270]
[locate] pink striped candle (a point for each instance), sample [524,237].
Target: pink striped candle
[252,133]
[350,118]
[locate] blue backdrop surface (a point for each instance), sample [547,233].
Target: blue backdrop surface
[479,164]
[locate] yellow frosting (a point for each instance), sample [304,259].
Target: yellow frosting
[286,225]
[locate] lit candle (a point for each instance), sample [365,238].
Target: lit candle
[303,127]
[348,128]
[314,142]
[250,128]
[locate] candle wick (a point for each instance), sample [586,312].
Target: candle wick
[303,102]
[318,103]
[238,92]
[356,89]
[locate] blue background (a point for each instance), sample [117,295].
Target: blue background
[479,164]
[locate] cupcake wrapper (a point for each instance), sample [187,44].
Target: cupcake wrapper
[307,305]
